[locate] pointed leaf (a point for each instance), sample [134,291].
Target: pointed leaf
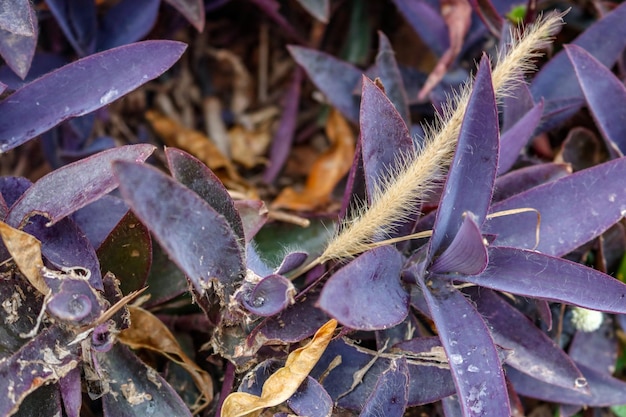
[605,95]
[335,78]
[72,187]
[127,21]
[78,22]
[390,395]
[471,352]
[192,10]
[516,104]
[61,94]
[534,353]
[391,78]
[311,399]
[598,349]
[367,293]
[196,176]
[195,236]
[254,215]
[291,261]
[319,9]
[523,179]
[472,172]
[18,35]
[15,17]
[574,210]
[109,210]
[467,253]
[533,274]
[514,139]
[134,388]
[384,136]
[270,296]
[71,392]
[427,22]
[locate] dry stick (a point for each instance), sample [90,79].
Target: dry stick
[419,172]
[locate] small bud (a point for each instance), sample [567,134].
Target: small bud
[586,320]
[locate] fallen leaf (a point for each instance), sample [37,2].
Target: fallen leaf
[148,332]
[248,147]
[458,17]
[194,142]
[26,252]
[327,170]
[280,386]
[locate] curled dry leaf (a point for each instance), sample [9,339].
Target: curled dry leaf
[26,252]
[148,332]
[280,386]
[327,170]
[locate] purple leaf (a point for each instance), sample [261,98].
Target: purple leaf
[77,19]
[18,35]
[319,9]
[61,94]
[35,364]
[597,349]
[196,176]
[41,64]
[109,210]
[195,236]
[165,280]
[192,10]
[335,78]
[270,296]
[605,95]
[128,21]
[526,178]
[605,390]
[283,137]
[489,15]
[471,352]
[514,139]
[427,23]
[291,261]
[390,395]
[367,294]
[136,389]
[72,187]
[533,274]
[271,9]
[4,209]
[466,254]
[71,393]
[516,104]
[12,188]
[65,246]
[391,77]
[311,400]
[127,253]
[533,352]
[253,214]
[556,80]
[383,135]
[473,170]
[574,210]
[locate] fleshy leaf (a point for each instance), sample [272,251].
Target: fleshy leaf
[367,293]
[195,236]
[70,387]
[533,274]
[192,10]
[515,105]
[109,210]
[319,9]
[128,21]
[127,253]
[15,17]
[18,35]
[335,78]
[534,353]
[466,254]
[270,296]
[26,252]
[12,188]
[471,352]
[574,210]
[62,94]
[383,136]
[311,399]
[391,78]
[253,214]
[37,363]
[390,395]
[72,187]
[78,22]
[605,95]
[192,173]
[473,170]
[514,139]
[283,383]
[291,261]
[73,300]
[427,22]
[134,388]
[523,179]
[598,349]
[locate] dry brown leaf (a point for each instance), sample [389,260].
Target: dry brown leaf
[280,386]
[194,142]
[148,332]
[248,147]
[26,252]
[327,170]
[458,17]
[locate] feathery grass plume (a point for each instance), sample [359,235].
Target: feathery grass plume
[419,173]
